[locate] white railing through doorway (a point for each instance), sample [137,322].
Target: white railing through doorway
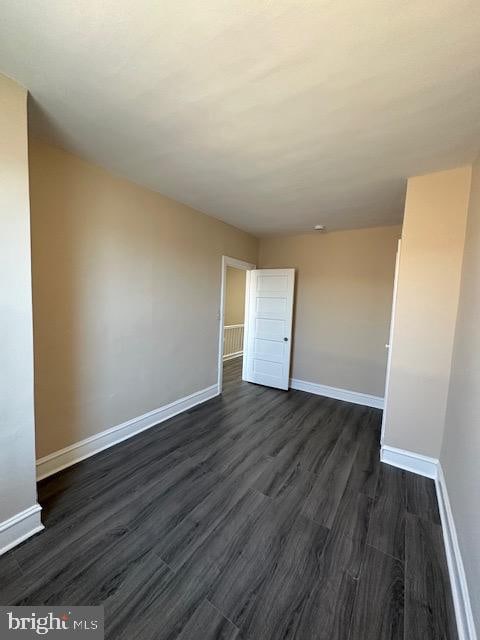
[232,341]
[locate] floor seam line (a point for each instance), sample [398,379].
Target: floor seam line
[222,614]
[385,553]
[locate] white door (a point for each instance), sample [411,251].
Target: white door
[390,339]
[268,327]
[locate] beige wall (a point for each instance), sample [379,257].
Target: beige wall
[461,444]
[17,469]
[344,284]
[235,296]
[126,292]
[428,290]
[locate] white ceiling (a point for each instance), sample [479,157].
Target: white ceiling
[271,115]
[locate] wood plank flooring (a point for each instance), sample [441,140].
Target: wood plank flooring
[259,515]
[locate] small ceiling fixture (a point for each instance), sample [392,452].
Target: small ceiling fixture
[319,227]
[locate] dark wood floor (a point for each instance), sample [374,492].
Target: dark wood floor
[259,515]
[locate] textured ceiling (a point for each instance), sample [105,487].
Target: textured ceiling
[271,115]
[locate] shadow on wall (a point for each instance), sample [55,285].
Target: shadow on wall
[56,317]
[361,369]
[361,375]
[126,288]
[235,296]
[94,283]
[56,324]
[343,299]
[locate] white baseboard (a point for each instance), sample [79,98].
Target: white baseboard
[72,454]
[231,356]
[409,461]
[458,580]
[431,468]
[338,394]
[20,527]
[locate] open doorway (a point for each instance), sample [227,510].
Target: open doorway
[232,313]
[234,318]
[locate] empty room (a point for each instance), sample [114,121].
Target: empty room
[239,320]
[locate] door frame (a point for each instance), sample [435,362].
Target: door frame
[228,261]
[391,335]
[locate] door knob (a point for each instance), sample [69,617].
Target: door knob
[285,339]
